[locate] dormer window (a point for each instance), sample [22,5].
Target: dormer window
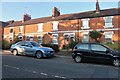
[55,25]
[85,24]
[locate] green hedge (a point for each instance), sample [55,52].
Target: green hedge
[113,46]
[53,46]
[71,45]
[5,44]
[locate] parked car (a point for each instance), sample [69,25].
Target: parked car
[31,48]
[95,52]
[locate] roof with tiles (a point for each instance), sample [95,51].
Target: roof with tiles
[89,14]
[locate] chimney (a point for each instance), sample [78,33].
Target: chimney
[97,7]
[55,12]
[26,17]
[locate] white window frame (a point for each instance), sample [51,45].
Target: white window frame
[108,22]
[54,38]
[5,37]
[110,32]
[84,25]
[40,27]
[55,25]
[69,34]
[11,28]
[21,29]
[30,36]
[85,33]
[40,39]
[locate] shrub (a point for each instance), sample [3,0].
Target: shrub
[113,46]
[96,35]
[5,44]
[53,46]
[72,44]
[16,40]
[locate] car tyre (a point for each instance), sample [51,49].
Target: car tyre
[15,52]
[39,55]
[77,59]
[116,62]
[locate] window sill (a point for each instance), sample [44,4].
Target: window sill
[85,27]
[108,27]
[54,29]
[39,31]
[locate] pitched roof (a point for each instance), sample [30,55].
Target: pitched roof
[89,14]
[15,23]
[3,24]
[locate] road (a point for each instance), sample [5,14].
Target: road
[57,67]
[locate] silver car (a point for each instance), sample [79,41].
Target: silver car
[31,48]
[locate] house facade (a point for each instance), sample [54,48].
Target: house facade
[61,29]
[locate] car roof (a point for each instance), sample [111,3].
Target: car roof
[27,41]
[89,43]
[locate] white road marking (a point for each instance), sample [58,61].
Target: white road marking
[35,72]
[43,74]
[11,66]
[57,76]
[63,77]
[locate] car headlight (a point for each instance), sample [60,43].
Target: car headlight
[48,51]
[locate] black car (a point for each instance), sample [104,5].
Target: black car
[95,52]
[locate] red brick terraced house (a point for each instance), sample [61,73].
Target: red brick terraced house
[60,29]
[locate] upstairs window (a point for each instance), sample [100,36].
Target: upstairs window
[85,24]
[21,29]
[108,22]
[11,30]
[40,27]
[55,25]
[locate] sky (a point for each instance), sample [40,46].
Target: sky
[15,10]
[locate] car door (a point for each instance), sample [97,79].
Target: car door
[20,47]
[29,50]
[100,53]
[84,49]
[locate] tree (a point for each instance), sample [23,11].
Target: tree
[96,35]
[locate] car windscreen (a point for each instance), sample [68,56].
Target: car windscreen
[35,44]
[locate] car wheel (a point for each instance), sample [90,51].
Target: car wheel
[77,59]
[39,54]
[116,62]
[15,52]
